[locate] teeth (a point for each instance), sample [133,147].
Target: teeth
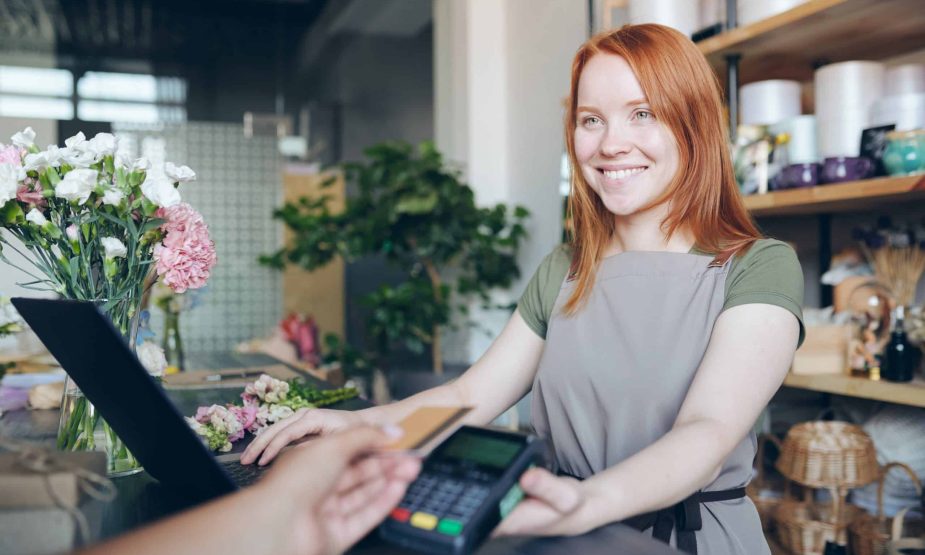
[621,174]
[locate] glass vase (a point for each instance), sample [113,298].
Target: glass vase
[173,343]
[80,427]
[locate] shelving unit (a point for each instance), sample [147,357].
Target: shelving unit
[912,394]
[843,197]
[789,45]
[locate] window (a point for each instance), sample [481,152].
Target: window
[130,98]
[36,92]
[115,97]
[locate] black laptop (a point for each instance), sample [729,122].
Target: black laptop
[96,357]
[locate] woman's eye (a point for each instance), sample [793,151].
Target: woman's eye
[590,121]
[644,115]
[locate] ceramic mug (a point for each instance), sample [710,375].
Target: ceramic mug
[846,168]
[796,176]
[905,152]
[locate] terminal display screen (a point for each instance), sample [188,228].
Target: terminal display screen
[493,451]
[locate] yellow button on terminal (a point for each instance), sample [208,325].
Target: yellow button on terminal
[424,521]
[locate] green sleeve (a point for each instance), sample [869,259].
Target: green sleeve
[539,298]
[769,273]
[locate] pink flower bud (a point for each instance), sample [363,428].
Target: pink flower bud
[71,232]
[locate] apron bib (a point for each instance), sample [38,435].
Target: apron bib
[613,376]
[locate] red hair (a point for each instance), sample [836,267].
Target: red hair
[685,96]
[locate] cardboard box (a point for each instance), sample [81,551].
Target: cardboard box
[824,351]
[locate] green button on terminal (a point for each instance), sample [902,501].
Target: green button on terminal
[450,527]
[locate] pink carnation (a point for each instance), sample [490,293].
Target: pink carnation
[246,416]
[11,155]
[185,257]
[33,196]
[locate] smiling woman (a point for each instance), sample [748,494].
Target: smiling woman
[655,338]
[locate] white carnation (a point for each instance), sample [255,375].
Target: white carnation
[102,144]
[152,358]
[77,185]
[179,174]
[35,216]
[160,191]
[113,196]
[49,158]
[77,141]
[9,182]
[24,139]
[141,164]
[113,247]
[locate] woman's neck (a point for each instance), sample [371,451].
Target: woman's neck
[643,232]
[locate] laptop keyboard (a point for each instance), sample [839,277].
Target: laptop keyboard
[244,474]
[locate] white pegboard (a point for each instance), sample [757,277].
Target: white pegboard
[237,188]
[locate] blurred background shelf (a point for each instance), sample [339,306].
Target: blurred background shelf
[790,44]
[842,197]
[912,393]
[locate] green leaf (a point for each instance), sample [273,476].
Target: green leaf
[12,214]
[153,223]
[417,204]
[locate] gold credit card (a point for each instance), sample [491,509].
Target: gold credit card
[426,427]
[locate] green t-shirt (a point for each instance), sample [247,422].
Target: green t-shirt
[769,273]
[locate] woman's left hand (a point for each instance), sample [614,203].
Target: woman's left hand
[553,507]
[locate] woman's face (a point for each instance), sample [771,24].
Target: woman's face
[625,154]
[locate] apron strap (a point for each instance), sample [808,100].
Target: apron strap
[683,517]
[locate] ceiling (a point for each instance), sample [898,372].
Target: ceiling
[155,30]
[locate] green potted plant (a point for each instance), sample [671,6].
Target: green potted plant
[415,211]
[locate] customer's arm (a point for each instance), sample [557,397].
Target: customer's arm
[499,379]
[750,351]
[318,499]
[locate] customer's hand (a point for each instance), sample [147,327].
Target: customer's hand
[303,423]
[555,506]
[334,492]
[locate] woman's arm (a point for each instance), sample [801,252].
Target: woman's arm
[750,351]
[499,379]
[493,384]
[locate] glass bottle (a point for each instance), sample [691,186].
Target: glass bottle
[901,356]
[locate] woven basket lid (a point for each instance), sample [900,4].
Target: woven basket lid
[828,455]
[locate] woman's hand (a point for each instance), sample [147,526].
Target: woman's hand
[336,490]
[555,506]
[303,423]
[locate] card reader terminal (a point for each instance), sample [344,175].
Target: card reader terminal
[466,486]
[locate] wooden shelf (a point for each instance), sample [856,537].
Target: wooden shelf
[789,44]
[842,197]
[912,393]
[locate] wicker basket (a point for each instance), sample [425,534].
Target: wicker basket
[899,545]
[828,455]
[760,491]
[869,534]
[803,527]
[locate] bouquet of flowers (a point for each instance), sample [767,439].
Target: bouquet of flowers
[95,224]
[265,402]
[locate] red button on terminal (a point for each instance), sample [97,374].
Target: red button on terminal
[401,515]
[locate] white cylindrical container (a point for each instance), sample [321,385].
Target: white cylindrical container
[750,11]
[847,86]
[906,111]
[683,15]
[905,79]
[801,146]
[712,12]
[841,136]
[768,102]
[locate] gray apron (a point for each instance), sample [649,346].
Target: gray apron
[613,376]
